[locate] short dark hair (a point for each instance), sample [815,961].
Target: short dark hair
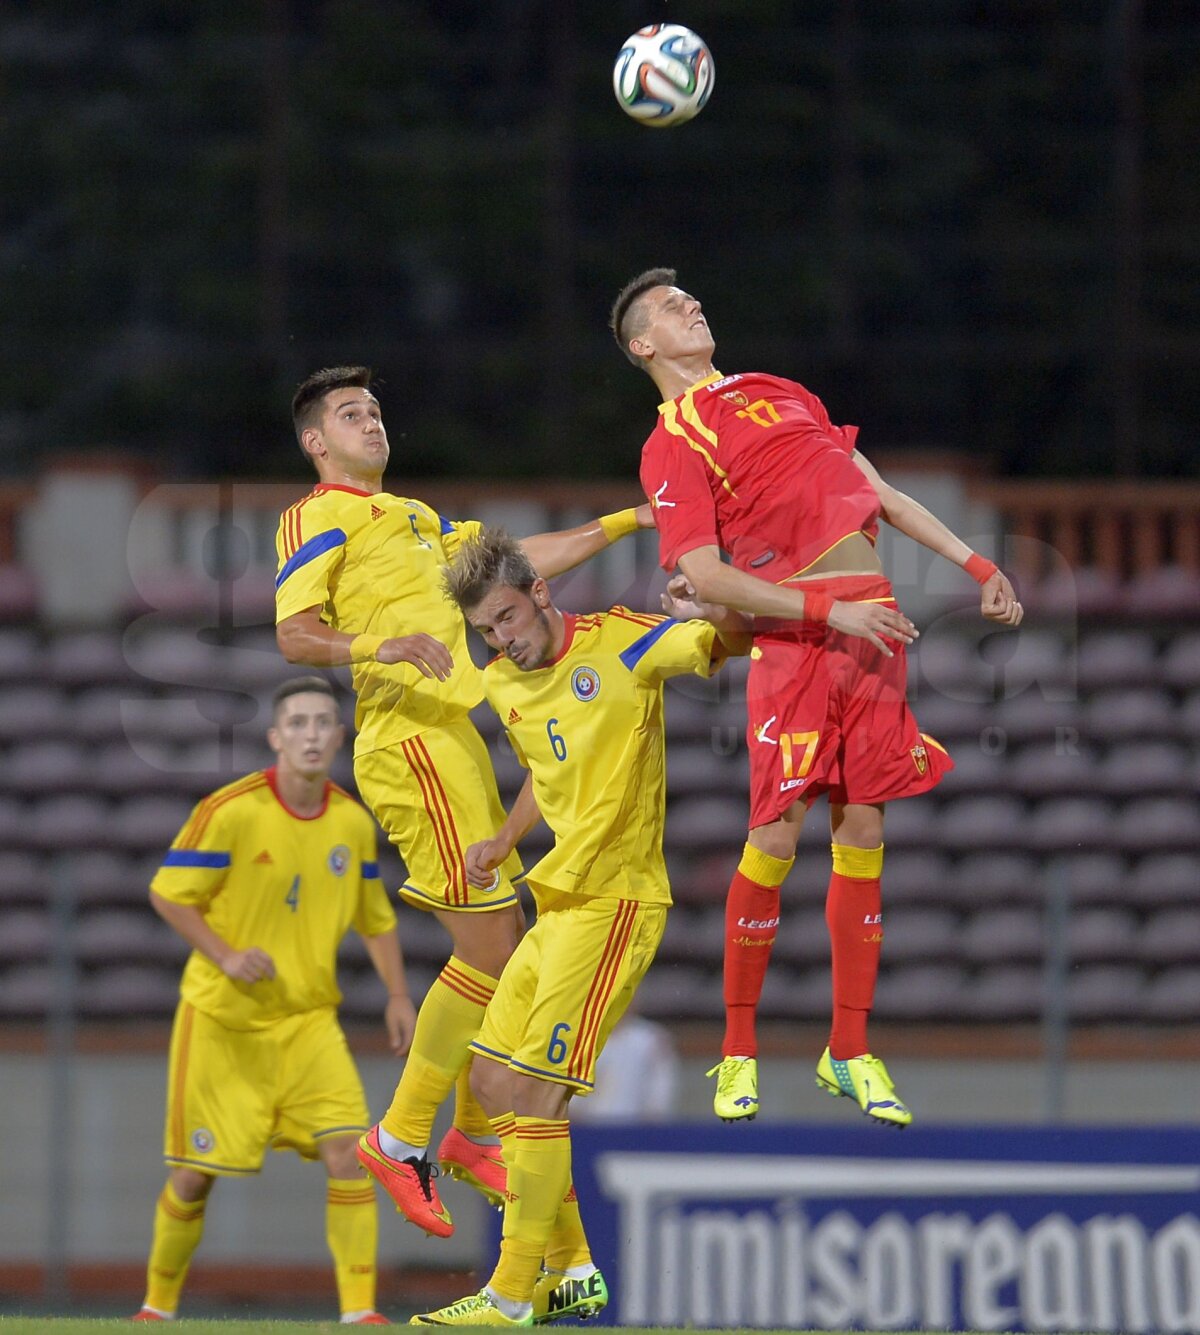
[306,402]
[494,559]
[299,686]
[626,318]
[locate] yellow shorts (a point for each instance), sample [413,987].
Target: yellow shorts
[434,795]
[566,986]
[233,1092]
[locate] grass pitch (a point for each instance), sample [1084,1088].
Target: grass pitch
[23,1325]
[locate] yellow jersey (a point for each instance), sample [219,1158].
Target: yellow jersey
[589,727]
[373,564]
[291,885]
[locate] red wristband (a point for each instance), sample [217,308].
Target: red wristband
[816,606]
[980,568]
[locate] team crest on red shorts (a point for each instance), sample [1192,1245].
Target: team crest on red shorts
[920,758]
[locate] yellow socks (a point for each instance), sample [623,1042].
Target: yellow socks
[539,1173]
[351,1229]
[448,1020]
[568,1244]
[178,1227]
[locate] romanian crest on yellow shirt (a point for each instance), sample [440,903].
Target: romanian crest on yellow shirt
[585,683]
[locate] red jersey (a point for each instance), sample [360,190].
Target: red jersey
[752,464]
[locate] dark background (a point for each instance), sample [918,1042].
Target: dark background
[965,225]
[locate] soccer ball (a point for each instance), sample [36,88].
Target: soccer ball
[663,74]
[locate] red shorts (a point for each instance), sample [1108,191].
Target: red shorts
[826,713]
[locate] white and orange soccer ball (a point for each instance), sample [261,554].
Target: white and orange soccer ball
[663,75]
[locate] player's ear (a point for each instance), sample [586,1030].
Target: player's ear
[641,347]
[311,442]
[273,739]
[540,592]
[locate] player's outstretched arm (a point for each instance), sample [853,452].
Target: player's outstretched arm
[716,582]
[556,553]
[998,601]
[305,638]
[251,965]
[735,629]
[399,1015]
[483,858]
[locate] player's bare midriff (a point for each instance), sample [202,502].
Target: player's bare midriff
[854,555]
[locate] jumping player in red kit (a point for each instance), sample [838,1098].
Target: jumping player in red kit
[751,465]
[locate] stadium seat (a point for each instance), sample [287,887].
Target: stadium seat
[803,937]
[1164,879]
[949,720]
[1049,768]
[97,715]
[969,823]
[809,994]
[23,878]
[1105,992]
[911,824]
[21,658]
[116,936]
[913,935]
[1180,665]
[694,769]
[1159,823]
[32,713]
[1003,876]
[130,991]
[39,768]
[142,824]
[1070,824]
[1170,936]
[1079,592]
[1135,714]
[87,658]
[948,665]
[1101,935]
[779,994]
[1109,659]
[123,768]
[1004,993]
[1141,768]
[1092,878]
[1173,996]
[29,992]
[1004,935]
[920,992]
[1030,717]
[670,991]
[25,936]
[1188,721]
[76,821]
[18,594]
[101,877]
[705,823]
[976,771]
[915,877]
[1165,591]
[695,935]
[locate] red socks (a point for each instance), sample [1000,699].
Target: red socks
[751,922]
[853,914]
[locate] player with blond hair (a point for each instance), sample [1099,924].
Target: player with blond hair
[581,698]
[359,584]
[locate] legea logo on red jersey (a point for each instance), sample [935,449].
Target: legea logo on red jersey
[719,385]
